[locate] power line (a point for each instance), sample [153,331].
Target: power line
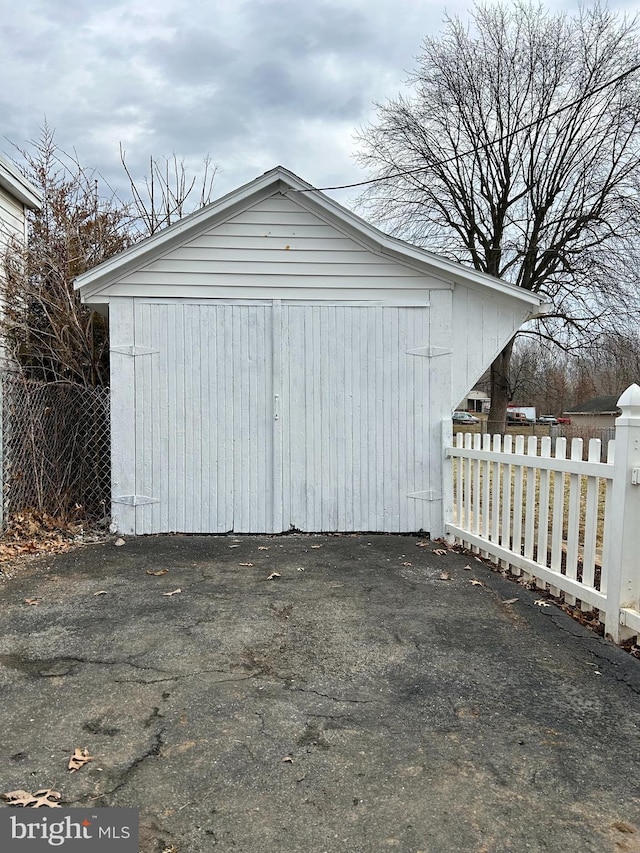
[486,145]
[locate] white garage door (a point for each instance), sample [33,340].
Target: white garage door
[270,417]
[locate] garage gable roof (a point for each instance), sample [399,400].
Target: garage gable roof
[607,405]
[281,181]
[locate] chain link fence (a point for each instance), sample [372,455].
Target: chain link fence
[56,449]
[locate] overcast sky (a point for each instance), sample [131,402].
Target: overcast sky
[251,83]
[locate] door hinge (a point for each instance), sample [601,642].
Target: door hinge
[134,350]
[429,352]
[135,500]
[428,495]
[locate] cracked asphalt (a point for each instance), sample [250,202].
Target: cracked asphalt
[356,703]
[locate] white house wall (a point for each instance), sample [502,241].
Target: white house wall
[12,221]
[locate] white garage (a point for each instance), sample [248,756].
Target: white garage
[279,364]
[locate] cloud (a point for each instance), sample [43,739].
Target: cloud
[252,83]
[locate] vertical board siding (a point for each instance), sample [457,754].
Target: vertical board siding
[268,417]
[355,439]
[484,323]
[123,415]
[433,408]
[203,430]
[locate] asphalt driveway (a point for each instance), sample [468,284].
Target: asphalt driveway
[356,702]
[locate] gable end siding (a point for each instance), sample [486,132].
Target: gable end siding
[274,243]
[483,323]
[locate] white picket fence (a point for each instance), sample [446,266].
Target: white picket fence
[570,525]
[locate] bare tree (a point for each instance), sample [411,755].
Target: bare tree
[518,153]
[610,368]
[168,192]
[542,375]
[46,330]
[553,380]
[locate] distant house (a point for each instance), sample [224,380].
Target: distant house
[600,412]
[476,401]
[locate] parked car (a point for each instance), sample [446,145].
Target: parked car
[465,418]
[517,418]
[549,420]
[564,420]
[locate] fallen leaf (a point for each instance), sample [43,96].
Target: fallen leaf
[158,573]
[175,592]
[407,564]
[274,575]
[476,582]
[245,564]
[79,758]
[17,798]
[423,543]
[43,797]
[46,797]
[300,569]
[542,603]
[621,826]
[234,546]
[32,532]
[467,568]
[32,601]
[100,592]
[444,576]
[119,542]
[288,759]
[316,546]
[510,601]
[441,552]
[263,547]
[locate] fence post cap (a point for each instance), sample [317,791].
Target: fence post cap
[629,401]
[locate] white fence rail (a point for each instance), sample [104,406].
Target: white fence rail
[569,524]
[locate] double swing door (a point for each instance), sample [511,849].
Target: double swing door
[272,416]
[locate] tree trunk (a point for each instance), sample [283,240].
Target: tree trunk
[500,391]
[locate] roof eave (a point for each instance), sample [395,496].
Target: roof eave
[135,256]
[399,249]
[280,179]
[19,187]
[591,414]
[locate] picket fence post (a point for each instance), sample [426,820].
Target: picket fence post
[621,558]
[447,479]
